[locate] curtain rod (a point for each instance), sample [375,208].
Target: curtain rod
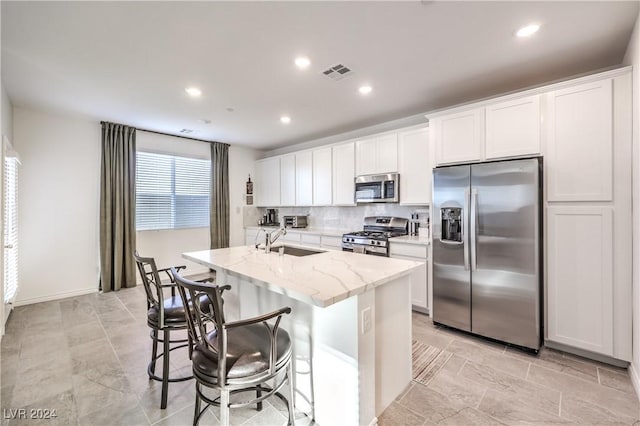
[168,134]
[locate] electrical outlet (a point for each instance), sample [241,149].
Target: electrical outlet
[366,320]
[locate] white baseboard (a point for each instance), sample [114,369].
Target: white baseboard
[635,379]
[55,296]
[373,422]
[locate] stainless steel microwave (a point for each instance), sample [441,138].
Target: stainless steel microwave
[378,188]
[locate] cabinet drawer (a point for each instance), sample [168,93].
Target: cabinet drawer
[292,237]
[413,250]
[331,241]
[310,239]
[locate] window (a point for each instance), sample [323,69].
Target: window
[171,192]
[10,229]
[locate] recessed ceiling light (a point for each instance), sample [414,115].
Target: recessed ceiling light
[285,119]
[194,92]
[365,90]
[302,62]
[528,31]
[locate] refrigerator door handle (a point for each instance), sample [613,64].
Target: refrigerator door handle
[465,240]
[474,228]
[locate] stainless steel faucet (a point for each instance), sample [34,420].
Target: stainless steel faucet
[268,239]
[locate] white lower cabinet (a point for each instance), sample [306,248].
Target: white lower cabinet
[331,242]
[292,237]
[310,239]
[580,281]
[419,277]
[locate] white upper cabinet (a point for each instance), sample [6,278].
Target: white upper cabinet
[580,143]
[288,180]
[344,171]
[304,178]
[513,128]
[366,156]
[322,187]
[415,166]
[267,182]
[378,154]
[459,137]
[387,153]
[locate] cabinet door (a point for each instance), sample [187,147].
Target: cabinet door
[459,137]
[322,177]
[419,282]
[288,180]
[268,182]
[414,166]
[304,178]
[580,277]
[366,156]
[292,237]
[343,174]
[580,143]
[331,241]
[513,128]
[387,154]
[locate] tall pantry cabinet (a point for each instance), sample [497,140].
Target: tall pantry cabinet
[582,129]
[588,213]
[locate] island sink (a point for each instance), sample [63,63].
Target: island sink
[295,251]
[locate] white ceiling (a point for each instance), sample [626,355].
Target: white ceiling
[129,62]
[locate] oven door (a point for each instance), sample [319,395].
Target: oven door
[366,249]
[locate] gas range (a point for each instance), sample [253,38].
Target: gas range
[374,239]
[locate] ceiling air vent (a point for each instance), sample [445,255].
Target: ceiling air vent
[337,72]
[186,131]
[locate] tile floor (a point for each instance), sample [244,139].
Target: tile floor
[86,358]
[485,383]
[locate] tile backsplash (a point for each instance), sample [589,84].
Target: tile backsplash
[344,218]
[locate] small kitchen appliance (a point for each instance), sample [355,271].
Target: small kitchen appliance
[378,188]
[270,218]
[298,221]
[374,238]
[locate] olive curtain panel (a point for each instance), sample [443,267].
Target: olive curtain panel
[117,207]
[219,207]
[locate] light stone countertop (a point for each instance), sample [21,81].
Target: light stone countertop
[320,279]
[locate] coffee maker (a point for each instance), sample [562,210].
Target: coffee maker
[270,218]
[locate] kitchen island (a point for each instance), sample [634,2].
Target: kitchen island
[350,323]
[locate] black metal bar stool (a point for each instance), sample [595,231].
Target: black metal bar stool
[235,357]
[163,315]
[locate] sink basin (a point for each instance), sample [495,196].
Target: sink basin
[295,251]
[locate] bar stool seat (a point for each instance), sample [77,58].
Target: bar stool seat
[164,315]
[236,357]
[247,353]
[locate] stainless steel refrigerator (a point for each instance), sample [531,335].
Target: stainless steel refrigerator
[487,249]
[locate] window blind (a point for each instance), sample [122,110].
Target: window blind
[10,229]
[172,192]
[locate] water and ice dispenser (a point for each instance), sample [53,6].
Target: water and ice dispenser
[451,224]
